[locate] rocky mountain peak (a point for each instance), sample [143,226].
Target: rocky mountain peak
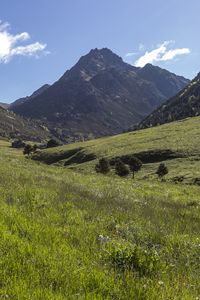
[96,61]
[101,95]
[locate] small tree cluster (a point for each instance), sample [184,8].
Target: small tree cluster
[134,165]
[103,166]
[121,169]
[162,170]
[28,149]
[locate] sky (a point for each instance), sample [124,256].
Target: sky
[41,39]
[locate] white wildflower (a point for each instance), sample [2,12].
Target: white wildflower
[103,239]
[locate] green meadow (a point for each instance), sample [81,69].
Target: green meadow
[69,233]
[181,138]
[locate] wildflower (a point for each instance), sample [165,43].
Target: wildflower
[144,286]
[103,239]
[160,282]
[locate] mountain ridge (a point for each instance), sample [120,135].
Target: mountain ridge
[100,95]
[24,99]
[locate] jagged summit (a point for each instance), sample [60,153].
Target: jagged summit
[105,55]
[95,61]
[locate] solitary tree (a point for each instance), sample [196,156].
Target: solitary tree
[135,164]
[121,169]
[162,170]
[103,166]
[28,149]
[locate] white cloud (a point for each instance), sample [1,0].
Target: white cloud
[10,45]
[4,26]
[172,53]
[161,53]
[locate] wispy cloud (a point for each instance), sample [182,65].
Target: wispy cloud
[140,48]
[161,53]
[130,54]
[10,45]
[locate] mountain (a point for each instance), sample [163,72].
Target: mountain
[168,83]
[24,99]
[185,104]
[100,95]
[13,126]
[4,105]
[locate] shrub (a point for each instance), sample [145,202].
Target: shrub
[18,144]
[162,170]
[103,166]
[52,143]
[135,164]
[121,169]
[28,149]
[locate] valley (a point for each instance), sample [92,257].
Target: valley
[99,150]
[68,233]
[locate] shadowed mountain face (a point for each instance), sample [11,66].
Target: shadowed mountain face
[101,95]
[24,99]
[185,104]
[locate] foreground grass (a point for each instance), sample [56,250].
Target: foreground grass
[66,235]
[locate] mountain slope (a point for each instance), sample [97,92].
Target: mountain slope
[4,105]
[185,104]
[13,126]
[168,83]
[24,99]
[100,95]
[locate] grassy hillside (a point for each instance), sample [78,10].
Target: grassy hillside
[177,144]
[69,235]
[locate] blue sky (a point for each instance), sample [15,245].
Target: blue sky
[41,39]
